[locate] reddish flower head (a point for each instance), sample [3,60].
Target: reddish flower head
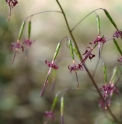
[118,34]
[88,54]
[99,39]
[50,115]
[104,104]
[16,46]
[75,67]
[107,91]
[51,64]
[28,42]
[11,3]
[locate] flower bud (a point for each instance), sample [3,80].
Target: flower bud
[54,102]
[57,50]
[71,48]
[62,110]
[29,29]
[21,30]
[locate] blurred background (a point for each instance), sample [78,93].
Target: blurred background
[22,81]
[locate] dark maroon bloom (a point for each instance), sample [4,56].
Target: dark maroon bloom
[107,91]
[88,54]
[51,64]
[75,67]
[91,56]
[99,39]
[50,115]
[104,104]
[15,46]
[11,3]
[27,42]
[118,34]
[120,60]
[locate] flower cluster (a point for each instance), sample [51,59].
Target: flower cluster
[50,115]
[117,34]
[75,67]
[11,3]
[15,46]
[107,91]
[100,39]
[28,43]
[120,60]
[88,54]
[51,64]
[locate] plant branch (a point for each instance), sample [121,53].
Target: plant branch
[93,82]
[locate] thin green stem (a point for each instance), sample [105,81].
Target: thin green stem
[84,18]
[49,11]
[94,83]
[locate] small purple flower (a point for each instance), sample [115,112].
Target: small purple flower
[107,91]
[88,54]
[104,104]
[11,3]
[27,42]
[99,39]
[16,46]
[50,115]
[51,64]
[75,67]
[117,34]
